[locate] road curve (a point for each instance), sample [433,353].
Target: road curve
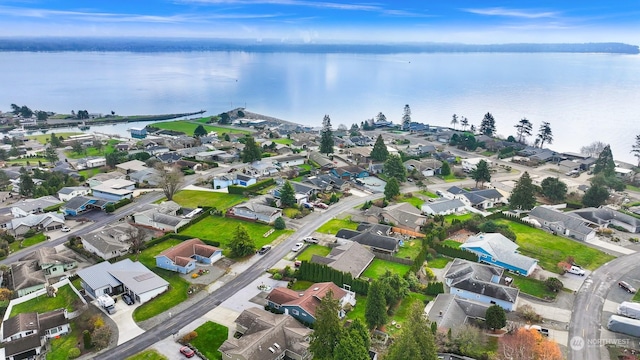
[243,279]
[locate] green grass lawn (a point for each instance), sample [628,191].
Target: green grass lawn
[93,151]
[463,217]
[410,249]
[188,127]
[402,311]
[30,161]
[150,354]
[290,212]
[636,297]
[44,138]
[417,202]
[283,141]
[178,287]
[313,249]
[452,243]
[60,347]
[87,173]
[551,249]
[438,263]
[532,287]
[305,166]
[358,311]
[378,267]
[332,226]
[301,285]
[210,336]
[30,241]
[194,198]
[65,298]
[223,230]
[633,188]
[428,194]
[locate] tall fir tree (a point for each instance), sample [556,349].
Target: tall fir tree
[375,312]
[394,168]
[481,174]
[379,152]
[605,163]
[488,125]
[523,196]
[415,340]
[327,328]
[287,195]
[406,118]
[326,136]
[251,151]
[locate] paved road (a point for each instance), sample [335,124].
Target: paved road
[178,321]
[584,329]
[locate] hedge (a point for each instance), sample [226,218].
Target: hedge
[177,237]
[434,288]
[321,273]
[206,211]
[122,203]
[52,208]
[454,253]
[241,190]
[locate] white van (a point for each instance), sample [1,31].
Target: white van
[576,270]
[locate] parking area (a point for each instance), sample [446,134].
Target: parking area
[123,317]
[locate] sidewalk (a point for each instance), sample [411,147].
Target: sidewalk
[612,247]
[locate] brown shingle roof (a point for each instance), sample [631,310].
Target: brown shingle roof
[308,300]
[181,254]
[19,323]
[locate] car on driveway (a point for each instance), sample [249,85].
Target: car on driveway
[263,250]
[127,299]
[630,289]
[65,229]
[187,351]
[297,247]
[310,240]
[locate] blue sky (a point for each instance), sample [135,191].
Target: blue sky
[326,21]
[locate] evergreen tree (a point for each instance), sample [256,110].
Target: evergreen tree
[199,131]
[279,224]
[545,134]
[495,317]
[605,163]
[251,151]
[445,169]
[553,189]
[523,194]
[454,121]
[415,340]
[488,125]
[353,343]
[326,136]
[375,312]
[481,173]
[241,244]
[287,195]
[595,196]
[55,141]
[391,189]
[406,117]
[464,122]
[523,129]
[394,168]
[395,287]
[327,328]
[50,154]
[635,149]
[76,146]
[379,152]
[27,186]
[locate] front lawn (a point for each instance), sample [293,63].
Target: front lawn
[378,267]
[88,173]
[65,298]
[551,249]
[417,202]
[195,198]
[189,127]
[223,230]
[27,161]
[60,347]
[438,263]
[283,141]
[428,194]
[334,225]
[150,354]
[532,287]
[210,336]
[410,249]
[178,287]
[93,151]
[311,250]
[30,241]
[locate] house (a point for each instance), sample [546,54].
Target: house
[605,216]
[157,150]
[565,224]
[147,176]
[496,249]
[623,173]
[450,311]
[302,305]
[138,133]
[38,222]
[98,179]
[265,335]
[479,282]
[480,199]
[374,236]
[426,167]
[262,169]
[33,206]
[361,155]
[568,166]
[90,163]
[469,165]
[183,257]
[81,204]
[253,211]
[26,277]
[209,155]
[351,258]
[443,207]
[109,242]
[169,157]
[225,180]
[323,162]
[131,166]
[350,172]
[51,262]
[114,190]
[161,216]
[25,334]
[291,160]
[326,182]
[404,216]
[69,192]
[124,276]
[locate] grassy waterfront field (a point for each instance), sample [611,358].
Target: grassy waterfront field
[188,127]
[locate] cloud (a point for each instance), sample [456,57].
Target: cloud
[517,13]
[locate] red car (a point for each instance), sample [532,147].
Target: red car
[187,351]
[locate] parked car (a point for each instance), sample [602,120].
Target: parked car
[310,240]
[538,328]
[630,289]
[576,270]
[321,205]
[187,352]
[297,247]
[263,250]
[65,229]
[127,299]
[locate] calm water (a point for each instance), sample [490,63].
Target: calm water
[585,97]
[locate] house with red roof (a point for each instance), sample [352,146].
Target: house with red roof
[302,305]
[183,257]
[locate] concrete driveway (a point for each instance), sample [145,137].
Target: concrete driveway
[123,317]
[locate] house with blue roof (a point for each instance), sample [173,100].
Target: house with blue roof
[496,249]
[350,172]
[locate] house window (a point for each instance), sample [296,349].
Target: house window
[28,332]
[295,312]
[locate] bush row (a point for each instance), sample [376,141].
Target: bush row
[321,273]
[241,190]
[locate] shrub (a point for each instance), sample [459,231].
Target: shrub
[279,224]
[30,233]
[554,284]
[110,208]
[529,314]
[277,276]
[188,337]
[73,353]
[86,337]
[429,274]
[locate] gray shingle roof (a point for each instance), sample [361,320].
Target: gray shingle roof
[501,249]
[352,258]
[444,205]
[133,275]
[571,222]
[449,310]
[476,278]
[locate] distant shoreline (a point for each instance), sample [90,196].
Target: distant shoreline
[151,45]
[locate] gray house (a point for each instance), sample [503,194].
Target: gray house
[605,216]
[351,257]
[443,207]
[451,311]
[565,224]
[253,211]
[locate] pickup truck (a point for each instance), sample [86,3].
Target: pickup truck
[541,330]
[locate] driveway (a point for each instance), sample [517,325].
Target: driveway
[123,317]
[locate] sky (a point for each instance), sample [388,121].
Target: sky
[381,21]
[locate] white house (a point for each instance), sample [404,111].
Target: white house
[443,207]
[114,189]
[469,165]
[67,193]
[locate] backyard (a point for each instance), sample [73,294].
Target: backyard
[334,225]
[439,262]
[65,298]
[223,230]
[551,249]
[210,336]
[378,267]
[189,127]
[410,249]
[311,250]
[60,347]
[178,287]
[194,198]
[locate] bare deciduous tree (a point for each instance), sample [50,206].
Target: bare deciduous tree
[135,237]
[169,179]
